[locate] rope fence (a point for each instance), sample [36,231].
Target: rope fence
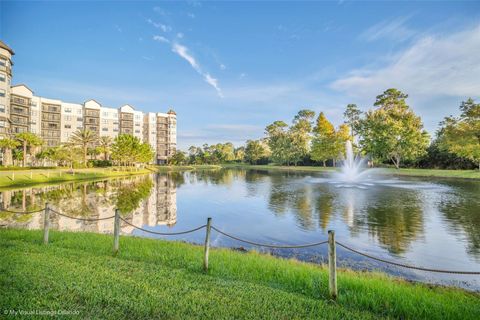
[332,260]
[270,245]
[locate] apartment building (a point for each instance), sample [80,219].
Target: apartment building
[55,120]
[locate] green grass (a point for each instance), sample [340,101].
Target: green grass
[34,177]
[164,280]
[440,173]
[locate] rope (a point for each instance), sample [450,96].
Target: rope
[82,219]
[163,233]
[23,212]
[270,245]
[406,265]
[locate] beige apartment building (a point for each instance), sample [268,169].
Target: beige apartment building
[55,120]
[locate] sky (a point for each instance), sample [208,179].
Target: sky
[230,68]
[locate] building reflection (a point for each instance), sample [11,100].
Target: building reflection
[142,200]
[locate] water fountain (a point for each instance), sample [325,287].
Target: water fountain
[353,169]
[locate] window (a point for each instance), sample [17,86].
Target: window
[33,113]
[3,62]
[137,131]
[105,114]
[104,121]
[115,115]
[2,76]
[115,130]
[67,118]
[2,93]
[2,124]
[104,129]
[2,108]
[79,119]
[68,126]
[68,110]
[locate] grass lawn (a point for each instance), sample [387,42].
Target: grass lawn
[32,177]
[464,174]
[150,278]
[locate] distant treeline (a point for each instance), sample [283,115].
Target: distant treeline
[390,133]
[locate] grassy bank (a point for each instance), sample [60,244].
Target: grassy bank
[34,177]
[187,168]
[159,279]
[464,174]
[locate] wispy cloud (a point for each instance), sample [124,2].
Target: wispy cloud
[183,52]
[161,26]
[395,29]
[161,39]
[433,65]
[222,66]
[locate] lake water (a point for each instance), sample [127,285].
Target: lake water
[433,223]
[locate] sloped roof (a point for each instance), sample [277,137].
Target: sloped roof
[4,46]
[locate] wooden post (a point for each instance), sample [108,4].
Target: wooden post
[332,265]
[207,244]
[46,222]
[116,231]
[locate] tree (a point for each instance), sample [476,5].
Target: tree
[279,141]
[461,135]
[342,135]
[239,154]
[179,158]
[105,142]
[7,145]
[67,155]
[128,150]
[393,131]
[28,139]
[254,151]
[324,140]
[352,116]
[300,135]
[83,138]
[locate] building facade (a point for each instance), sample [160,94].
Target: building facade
[55,120]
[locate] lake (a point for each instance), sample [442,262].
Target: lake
[432,223]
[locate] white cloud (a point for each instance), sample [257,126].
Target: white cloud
[433,65]
[161,39]
[183,52]
[180,35]
[395,29]
[222,66]
[161,26]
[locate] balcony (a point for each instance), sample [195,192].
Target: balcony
[21,101]
[20,111]
[51,108]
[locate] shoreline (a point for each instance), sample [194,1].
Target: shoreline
[428,173]
[149,272]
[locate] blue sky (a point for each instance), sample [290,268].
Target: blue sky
[231,68]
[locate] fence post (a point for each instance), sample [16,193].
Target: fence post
[332,265]
[46,222]
[207,244]
[116,231]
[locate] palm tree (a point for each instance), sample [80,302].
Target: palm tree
[28,139]
[105,143]
[83,138]
[7,145]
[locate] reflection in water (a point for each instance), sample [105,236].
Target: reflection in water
[143,200]
[428,222]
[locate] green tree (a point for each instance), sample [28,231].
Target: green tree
[393,131]
[83,138]
[342,135]
[352,116]
[324,140]
[239,154]
[461,135]
[28,139]
[300,135]
[104,144]
[179,158]
[279,142]
[128,150]
[254,151]
[7,145]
